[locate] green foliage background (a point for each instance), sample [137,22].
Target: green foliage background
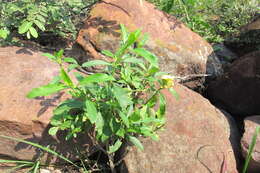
[31,17]
[215,20]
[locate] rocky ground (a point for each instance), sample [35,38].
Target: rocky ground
[208,129]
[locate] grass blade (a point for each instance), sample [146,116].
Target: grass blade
[17,167]
[251,148]
[39,146]
[36,167]
[15,161]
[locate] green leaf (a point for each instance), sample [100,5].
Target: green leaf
[50,56]
[70,60]
[91,111]
[43,13]
[136,142]
[72,66]
[33,32]
[152,70]
[133,60]
[130,41]
[143,41]
[146,130]
[108,53]
[68,105]
[65,125]
[138,61]
[40,147]
[158,74]
[124,119]
[53,130]
[115,147]
[174,93]
[78,76]
[4,33]
[39,24]
[94,63]
[162,106]
[97,77]
[106,133]
[55,80]
[41,19]
[124,33]
[122,96]
[99,123]
[46,90]
[152,101]
[114,125]
[24,27]
[150,120]
[150,57]
[59,54]
[143,112]
[65,77]
[135,116]
[121,132]
[28,35]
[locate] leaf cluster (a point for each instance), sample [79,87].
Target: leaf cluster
[116,105]
[30,17]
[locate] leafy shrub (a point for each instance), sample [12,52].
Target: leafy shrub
[30,17]
[215,20]
[117,104]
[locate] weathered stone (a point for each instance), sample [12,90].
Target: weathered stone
[250,126]
[196,139]
[254,25]
[181,51]
[28,119]
[238,90]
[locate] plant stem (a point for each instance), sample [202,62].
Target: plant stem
[156,92]
[111,159]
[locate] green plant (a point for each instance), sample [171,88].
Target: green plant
[115,105]
[215,20]
[34,166]
[251,148]
[32,17]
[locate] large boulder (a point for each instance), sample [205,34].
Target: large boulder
[238,90]
[181,51]
[28,119]
[250,128]
[196,139]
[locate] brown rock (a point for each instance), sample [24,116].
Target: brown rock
[238,90]
[195,140]
[28,119]
[250,126]
[254,25]
[181,52]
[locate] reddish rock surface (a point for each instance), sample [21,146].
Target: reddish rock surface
[196,139]
[181,51]
[250,126]
[238,90]
[22,70]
